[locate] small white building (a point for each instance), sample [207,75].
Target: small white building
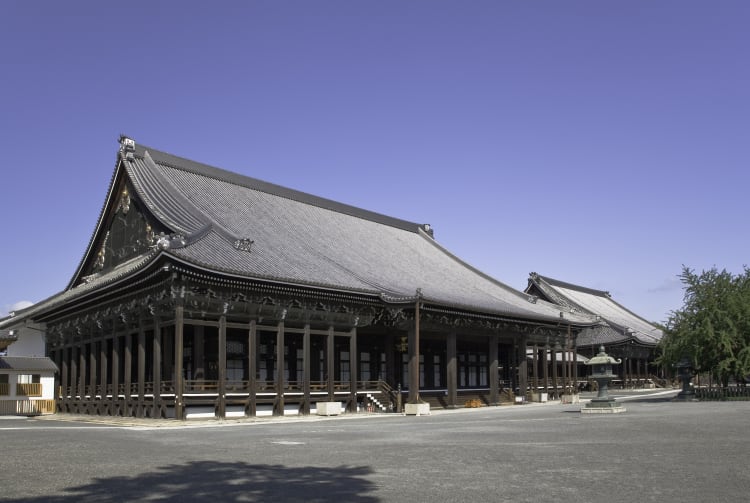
[27,385]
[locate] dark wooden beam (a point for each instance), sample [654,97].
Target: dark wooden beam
[179,383]
[279,402]
[252,370]
[222,405]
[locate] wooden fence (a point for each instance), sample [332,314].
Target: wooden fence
[29,389]
[26,407]
[722,394]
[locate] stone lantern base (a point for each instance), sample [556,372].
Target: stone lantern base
[417,409]
[606,406]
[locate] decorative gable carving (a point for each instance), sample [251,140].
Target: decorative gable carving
[129,232]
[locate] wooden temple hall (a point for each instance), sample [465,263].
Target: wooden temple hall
[206,292]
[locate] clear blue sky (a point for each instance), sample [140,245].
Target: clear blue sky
[601,143]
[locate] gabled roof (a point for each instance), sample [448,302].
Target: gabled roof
[27,363]
[231,224]
[621,324]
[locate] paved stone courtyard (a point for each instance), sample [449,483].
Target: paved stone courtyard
[656,451]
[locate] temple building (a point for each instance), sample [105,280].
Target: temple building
[204,291]
[623,333]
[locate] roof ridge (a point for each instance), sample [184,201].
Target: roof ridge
[199,168]
[571,286]
[624,328]
[495,281]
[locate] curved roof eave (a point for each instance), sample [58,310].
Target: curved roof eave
[121,274]
[387,297]
[116,176]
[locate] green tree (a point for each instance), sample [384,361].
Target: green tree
[712,328]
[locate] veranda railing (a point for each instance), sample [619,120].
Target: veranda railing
[29,389]
[204,386]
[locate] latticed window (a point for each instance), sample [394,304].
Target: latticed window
[235,370]
[300,365]
[483,371]
[405,363]
[436,370]
[345,370]
[364,367]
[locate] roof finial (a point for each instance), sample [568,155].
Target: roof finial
[127,146]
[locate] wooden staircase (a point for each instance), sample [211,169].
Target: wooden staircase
[439,399]
[383,398]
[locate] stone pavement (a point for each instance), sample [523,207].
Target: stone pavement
[621,396]
[657,451]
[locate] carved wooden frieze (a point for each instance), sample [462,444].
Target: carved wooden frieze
[129,233]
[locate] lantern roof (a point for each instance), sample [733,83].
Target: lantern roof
[602,358]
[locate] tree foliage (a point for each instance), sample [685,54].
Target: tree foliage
[712,328]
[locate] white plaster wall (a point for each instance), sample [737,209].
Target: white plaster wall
[47,381]
[31,342]
[48,387]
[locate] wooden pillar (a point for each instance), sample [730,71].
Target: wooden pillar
[104,376]
[58,352]
[330,363]
[523,369]
[640,372]
[494,365]
[545,368]
[92,370]
[565,368]
[252,369]
[630,371]
[64,373]
[73,375]
[278,409]
[103,367]
[354,370]
[82,372]
[73,371]
[179,405]
[413,396]
[141,369]
[115,373]
[128,371]
[306,370]
[414,355]
[554,370]
[72,389]
[222,405]
[535,368]
[452,371]
[156,363]
[575,366]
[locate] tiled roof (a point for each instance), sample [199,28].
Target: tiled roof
[621,323]
[27,363]
[297,239]
[119,274]
[304,239]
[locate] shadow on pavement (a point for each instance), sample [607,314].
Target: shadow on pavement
[230,482]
